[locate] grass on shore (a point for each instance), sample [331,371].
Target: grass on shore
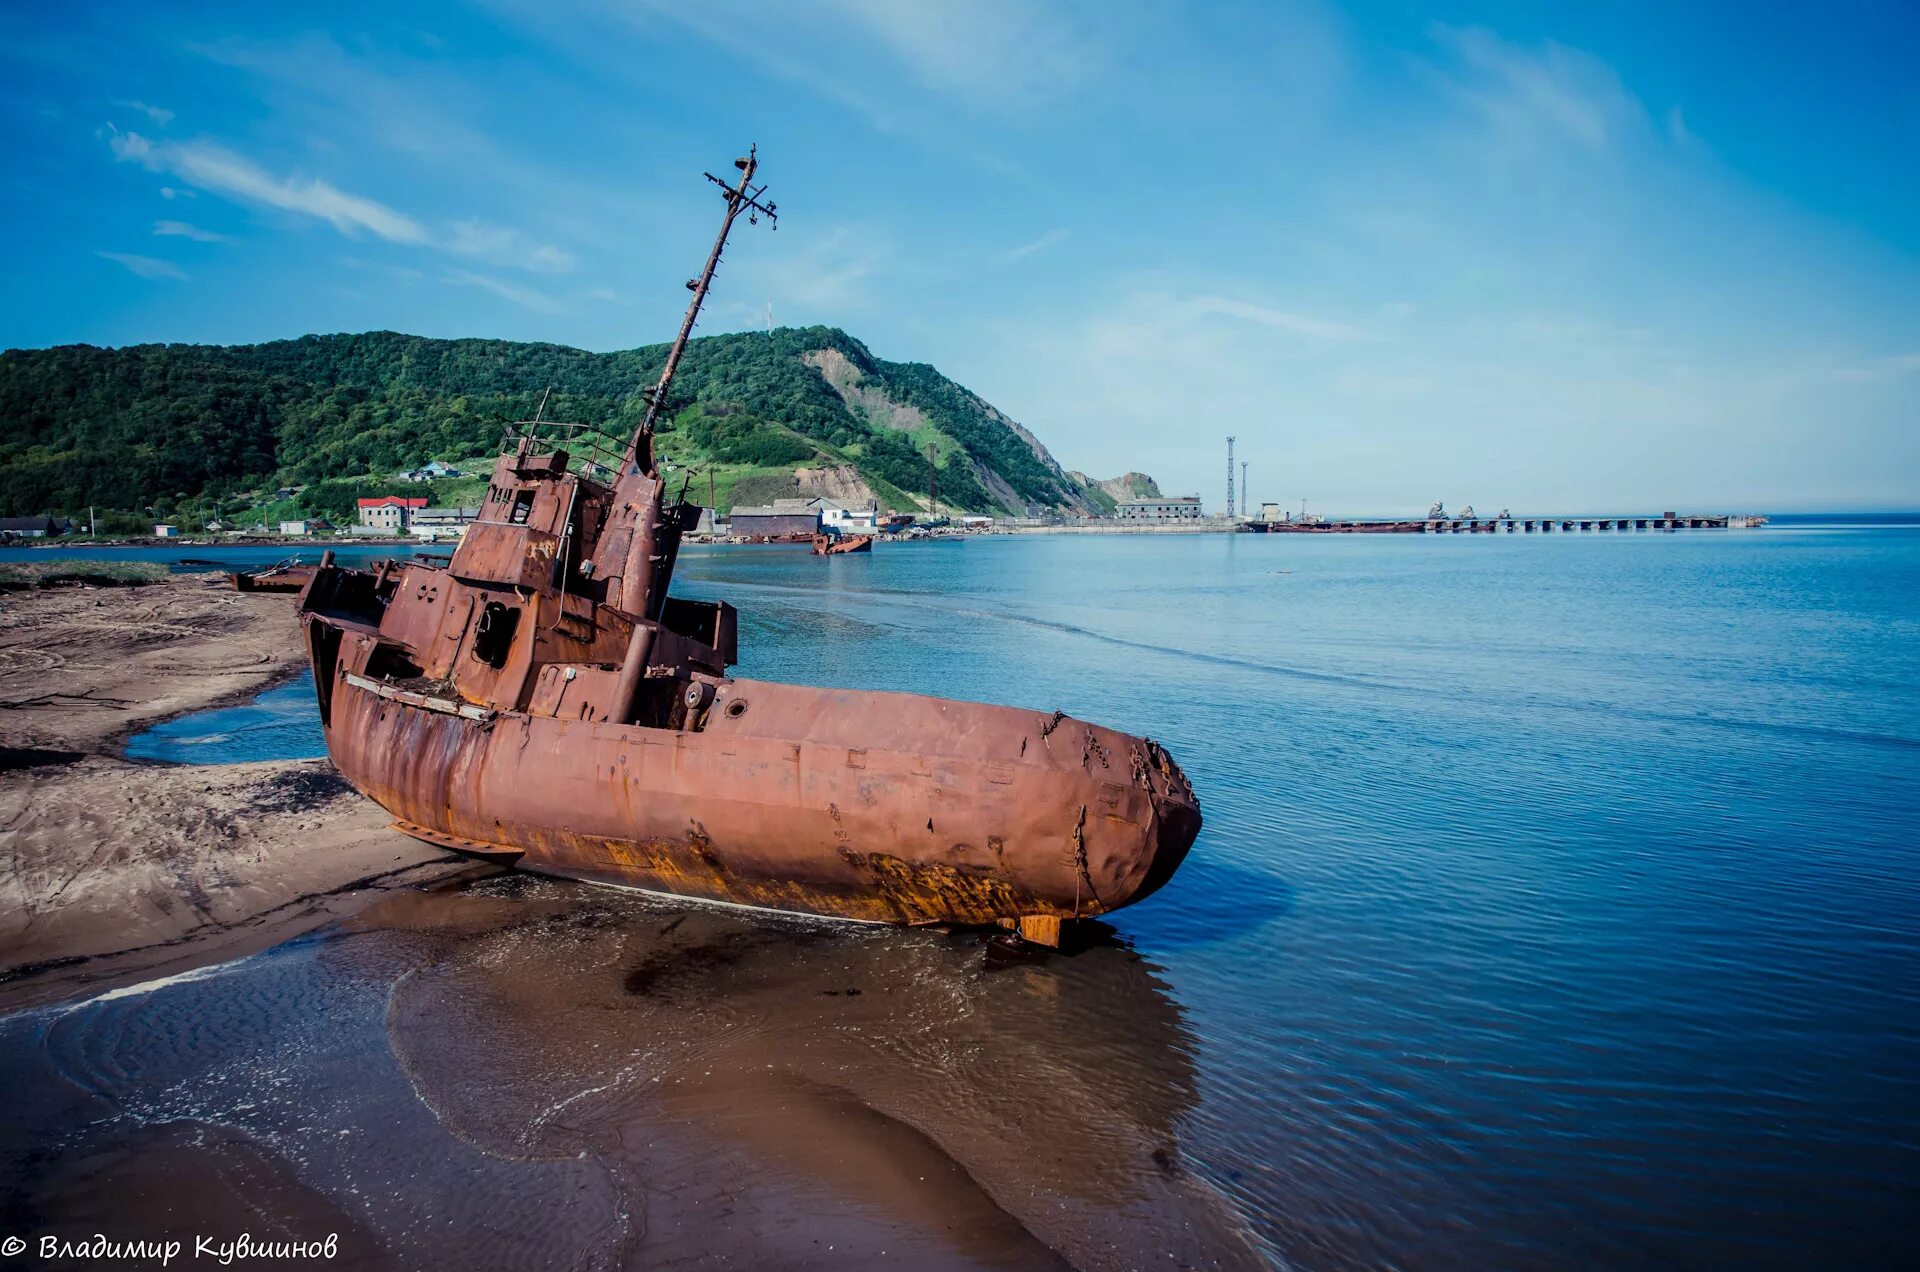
[21,576]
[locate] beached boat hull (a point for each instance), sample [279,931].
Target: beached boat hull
[874,806]
[280,578]
[543,700]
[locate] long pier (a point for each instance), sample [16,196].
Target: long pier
[1507,525]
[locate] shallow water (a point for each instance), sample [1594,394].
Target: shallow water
[280,724]
[1556,904]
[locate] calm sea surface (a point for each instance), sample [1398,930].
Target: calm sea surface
[1557,903]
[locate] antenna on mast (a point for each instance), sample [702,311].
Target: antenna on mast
[743,197]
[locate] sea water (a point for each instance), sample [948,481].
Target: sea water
[1557,904]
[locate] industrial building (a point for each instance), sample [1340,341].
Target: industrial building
[431,523]
[781,517]
[1178,508]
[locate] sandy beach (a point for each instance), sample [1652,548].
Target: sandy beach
[117,869]
[726,1088]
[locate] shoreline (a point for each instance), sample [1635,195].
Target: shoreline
[796,1134]
[120,868]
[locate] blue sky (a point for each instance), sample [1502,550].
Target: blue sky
[1546,256]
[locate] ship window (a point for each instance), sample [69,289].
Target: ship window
[390,662]
[522,507]
[494,636]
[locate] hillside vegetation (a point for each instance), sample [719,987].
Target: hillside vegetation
[195,432]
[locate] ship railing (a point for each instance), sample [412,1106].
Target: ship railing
[589,448]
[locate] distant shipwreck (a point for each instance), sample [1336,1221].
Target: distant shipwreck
[541,701]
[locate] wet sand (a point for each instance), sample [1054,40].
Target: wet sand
[446,1065]
[531,1073]
[116,869]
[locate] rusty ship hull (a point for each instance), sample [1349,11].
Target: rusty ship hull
[860,805]
[540,699]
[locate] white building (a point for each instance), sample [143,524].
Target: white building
[388,514]
[436,523]
[164,531]
[844,520]
[1178,508]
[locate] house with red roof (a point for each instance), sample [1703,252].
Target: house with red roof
[390,514]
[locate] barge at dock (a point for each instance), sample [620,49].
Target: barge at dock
[541,701]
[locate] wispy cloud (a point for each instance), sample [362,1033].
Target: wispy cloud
[1052,238]
[1892,367]
[1002,56]
[506,246]
[539,302]
[387,98]
[158,114]
[180,229]
[990,50]
[1677,127]
[145,266]
[826,274]
[1197,308]
[218,170]
[1546,94]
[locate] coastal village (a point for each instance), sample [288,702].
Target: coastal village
[805,518]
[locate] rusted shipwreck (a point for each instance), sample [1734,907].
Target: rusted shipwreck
[288,576]
[542,701]
[840,544]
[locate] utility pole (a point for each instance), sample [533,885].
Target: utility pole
[1229,476]
[1243,488]
[933,480]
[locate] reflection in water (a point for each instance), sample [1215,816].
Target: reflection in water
[590,1078]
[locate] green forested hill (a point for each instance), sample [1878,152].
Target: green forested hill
[195,431]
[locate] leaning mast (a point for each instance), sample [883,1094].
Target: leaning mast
[744,197]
